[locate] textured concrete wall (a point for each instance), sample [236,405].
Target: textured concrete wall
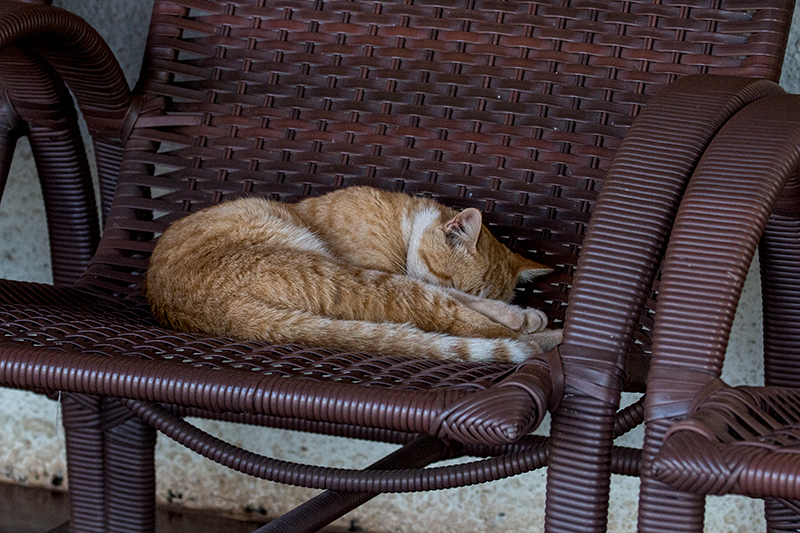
[31,441]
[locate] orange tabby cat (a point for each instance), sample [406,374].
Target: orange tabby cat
[359,269]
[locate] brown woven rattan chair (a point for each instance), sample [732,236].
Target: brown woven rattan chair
[518,108]
[741,440]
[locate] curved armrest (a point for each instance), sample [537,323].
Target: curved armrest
[621,253]
[71,47]
[749,171]
[627,236]
[79,54]
[38,104]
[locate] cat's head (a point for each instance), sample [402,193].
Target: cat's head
[457,251]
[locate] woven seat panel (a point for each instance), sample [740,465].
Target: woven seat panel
[132,332]
[767,417]
[773,420]
[743,440]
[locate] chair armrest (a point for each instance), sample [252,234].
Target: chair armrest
[37,104]
[620,257]
[79,54]
[628,233]
[69,45]
[747,173]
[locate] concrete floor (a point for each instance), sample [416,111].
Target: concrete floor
[36,510]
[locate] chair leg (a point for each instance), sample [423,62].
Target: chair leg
[579,469]
[779,254]
[130,482]
[662,508]
[84,439]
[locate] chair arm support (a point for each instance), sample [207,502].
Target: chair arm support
[71,47]
[724,213]
[749,171]
[37,97]
[629,228]
[79,54]
[620,257]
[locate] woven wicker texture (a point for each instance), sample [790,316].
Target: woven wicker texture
[515,108]
[105,330]
[750,441]
[426,397]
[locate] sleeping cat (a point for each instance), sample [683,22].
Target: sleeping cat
[358,269]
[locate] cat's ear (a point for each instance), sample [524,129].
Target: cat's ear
[527,269]
[465,227]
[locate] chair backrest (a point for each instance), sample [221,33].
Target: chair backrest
[513,107]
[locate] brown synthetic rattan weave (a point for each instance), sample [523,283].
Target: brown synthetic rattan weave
[36,103]
[517,108]
[750,436]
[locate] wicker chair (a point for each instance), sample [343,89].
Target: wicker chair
[518,108]
[735,440]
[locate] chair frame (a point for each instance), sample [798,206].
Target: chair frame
[523,166]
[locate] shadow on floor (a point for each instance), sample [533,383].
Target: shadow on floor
[36,510]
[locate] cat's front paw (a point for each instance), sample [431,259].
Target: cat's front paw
[533,321]
[507,315]
[544,340]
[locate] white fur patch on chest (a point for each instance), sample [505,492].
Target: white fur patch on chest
[414,225]
[278,231]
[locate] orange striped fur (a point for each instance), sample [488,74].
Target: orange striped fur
[358,269]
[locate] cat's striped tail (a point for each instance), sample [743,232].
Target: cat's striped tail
[293,326]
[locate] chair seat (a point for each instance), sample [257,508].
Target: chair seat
[101,331]
[118,330]
[742,440]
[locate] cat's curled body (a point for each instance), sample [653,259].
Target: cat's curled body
[358,269]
